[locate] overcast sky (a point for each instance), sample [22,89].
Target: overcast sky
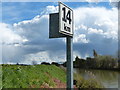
[25,31]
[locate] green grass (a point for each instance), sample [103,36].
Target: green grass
[16,76]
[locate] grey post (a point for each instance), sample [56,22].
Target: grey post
[69,62]
[119,43]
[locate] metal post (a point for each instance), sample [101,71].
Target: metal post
[69,63]
[119,44]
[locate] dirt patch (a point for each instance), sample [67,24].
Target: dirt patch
[59,84]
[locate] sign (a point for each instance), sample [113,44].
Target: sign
[54,26]
[61,25]
[65,20]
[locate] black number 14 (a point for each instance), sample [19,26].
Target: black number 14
[66,17]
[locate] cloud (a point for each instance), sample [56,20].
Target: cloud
[93,0]
[99,26]
[33,29]
[91,21]
[80,38]
[102,1]
[36,39]
[38,57]
[8,36]
[43,56]
[95,28]
[92,31]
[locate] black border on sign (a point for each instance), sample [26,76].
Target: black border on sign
[63,32]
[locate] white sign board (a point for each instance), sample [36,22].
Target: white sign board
[65,20]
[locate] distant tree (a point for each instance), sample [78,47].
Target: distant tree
[119,59]
[55,63]
[45,63]
[80,63]
[106,62]
[99,61]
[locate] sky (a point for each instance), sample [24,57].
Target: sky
[25,31]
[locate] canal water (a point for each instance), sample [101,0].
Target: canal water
[108,78]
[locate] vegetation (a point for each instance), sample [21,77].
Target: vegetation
[40,76]
[90,83]
[98,62]
[31,76]
[107,62]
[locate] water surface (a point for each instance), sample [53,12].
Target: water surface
[108,78]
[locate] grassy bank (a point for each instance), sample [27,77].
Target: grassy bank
[40,76]
[16,76]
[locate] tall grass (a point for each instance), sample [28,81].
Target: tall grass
[89,83]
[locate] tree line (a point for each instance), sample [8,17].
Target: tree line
[98,62]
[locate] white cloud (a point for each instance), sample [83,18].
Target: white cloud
[43,56]
[38,57]
[114,0]
[96,20]
[51,9]
[92,0]
[35,29]
[102,1]
[80,38]
[8,36]
[92,31]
